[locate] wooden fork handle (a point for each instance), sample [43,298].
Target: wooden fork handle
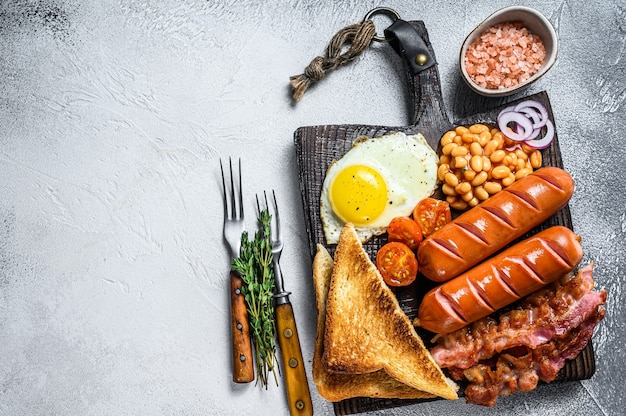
[243,370]
[298,394]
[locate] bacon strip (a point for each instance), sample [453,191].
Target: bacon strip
[513,373]
[524,345]
[542,316]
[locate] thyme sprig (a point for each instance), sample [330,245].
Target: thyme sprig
[254,264]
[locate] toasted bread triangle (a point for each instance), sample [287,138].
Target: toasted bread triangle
[335,387]
[367,331]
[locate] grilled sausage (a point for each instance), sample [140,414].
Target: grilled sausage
[490,226]
[514,273]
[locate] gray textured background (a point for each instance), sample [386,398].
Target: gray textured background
[113,116]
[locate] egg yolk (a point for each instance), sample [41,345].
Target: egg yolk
[358,194]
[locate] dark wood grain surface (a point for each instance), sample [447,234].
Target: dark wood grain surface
[317,146]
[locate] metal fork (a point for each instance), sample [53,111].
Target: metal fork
[234,226]
[280,295]
[298,395]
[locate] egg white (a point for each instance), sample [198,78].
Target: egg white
[407,164]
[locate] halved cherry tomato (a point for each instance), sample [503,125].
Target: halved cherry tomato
[431,214]
[405,230]
[397,264]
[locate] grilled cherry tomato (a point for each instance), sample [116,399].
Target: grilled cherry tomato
[431,214]
[397,264]
[405,230]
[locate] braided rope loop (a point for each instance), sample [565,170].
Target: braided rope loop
[357,37]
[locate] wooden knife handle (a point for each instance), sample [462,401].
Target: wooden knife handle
[298,394]
[243,370]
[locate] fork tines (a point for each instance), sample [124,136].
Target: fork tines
[273,210]
[236,203]
[234,224]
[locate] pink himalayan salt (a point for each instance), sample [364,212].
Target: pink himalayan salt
[504,56]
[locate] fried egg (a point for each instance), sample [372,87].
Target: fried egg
[376,180]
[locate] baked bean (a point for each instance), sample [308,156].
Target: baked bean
[460,130]
[521,154]
[500,172]
[447,137]
[486,164]
[476,163]
[458,151]
[480,178]
[469,174]
[458,204]
[447,149]
[468,196]
[508,180]
[478,128]
[522,173]
[527,149]
[483,138]
[442,170]
[476,149]
[521,164]
[480,193]
[463,188]
[492,187]
[510,160]
[497,156]
[490,147]
[448,190]
[473,202]
[470,138]
[460,162]
[451,179]
[535,159]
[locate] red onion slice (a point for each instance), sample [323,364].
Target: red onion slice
[538,120]
[525,121]
[534,134]
[520,121]
[545,141]
[533,106]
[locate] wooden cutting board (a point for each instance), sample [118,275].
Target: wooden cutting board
[318,146]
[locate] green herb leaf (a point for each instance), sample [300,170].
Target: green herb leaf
[255,267]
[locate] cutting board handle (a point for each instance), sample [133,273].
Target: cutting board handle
[428,114]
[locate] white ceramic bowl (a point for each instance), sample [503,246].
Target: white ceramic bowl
[536,23]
